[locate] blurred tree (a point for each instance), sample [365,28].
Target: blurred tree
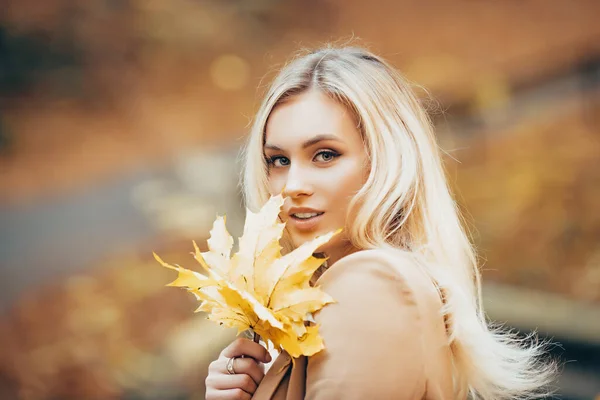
[5,139]
[25,59]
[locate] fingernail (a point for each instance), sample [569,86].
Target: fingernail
[268,357]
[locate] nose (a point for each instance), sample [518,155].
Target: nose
[297,183]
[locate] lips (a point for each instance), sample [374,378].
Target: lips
[303,211]
[306,215]
[303,218]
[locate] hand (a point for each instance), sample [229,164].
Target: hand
[249,371]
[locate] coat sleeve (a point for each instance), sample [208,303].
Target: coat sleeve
[373,343]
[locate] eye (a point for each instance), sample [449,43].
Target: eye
[278,161]
[326,156]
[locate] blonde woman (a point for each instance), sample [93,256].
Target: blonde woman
[342,134]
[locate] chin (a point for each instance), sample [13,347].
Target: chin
[300,238]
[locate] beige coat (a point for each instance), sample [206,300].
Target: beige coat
[385,338]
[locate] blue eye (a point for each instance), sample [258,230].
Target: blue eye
[326,156]
[278,161]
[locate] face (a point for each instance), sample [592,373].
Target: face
[316,156]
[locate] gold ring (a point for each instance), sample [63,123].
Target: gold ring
[230,368]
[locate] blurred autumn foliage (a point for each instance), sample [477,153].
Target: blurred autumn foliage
[534,192]
[106,334]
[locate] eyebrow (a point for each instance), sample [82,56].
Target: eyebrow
[309,142]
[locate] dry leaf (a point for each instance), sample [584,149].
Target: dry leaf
[257,288]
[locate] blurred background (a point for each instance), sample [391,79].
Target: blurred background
[120,125]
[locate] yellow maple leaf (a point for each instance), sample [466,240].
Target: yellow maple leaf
[257,288]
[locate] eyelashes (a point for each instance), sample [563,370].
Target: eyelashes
[323,156]
[331,155]
[271,161]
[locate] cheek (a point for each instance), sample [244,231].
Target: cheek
[351,178]
[275,183]
[343,185]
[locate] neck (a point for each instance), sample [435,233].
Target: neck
[332,256]
[339,252]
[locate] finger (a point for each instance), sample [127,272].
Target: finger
[229,394]
[226,382]
[246,347]
[247,366]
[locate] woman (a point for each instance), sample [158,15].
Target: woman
[341,133]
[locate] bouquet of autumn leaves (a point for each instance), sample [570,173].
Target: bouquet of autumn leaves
[257,288]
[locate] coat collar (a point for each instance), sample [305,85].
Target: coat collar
[273,378]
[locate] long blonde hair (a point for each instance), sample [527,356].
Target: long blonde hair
[406,204]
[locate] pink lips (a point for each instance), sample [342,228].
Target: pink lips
[304,224]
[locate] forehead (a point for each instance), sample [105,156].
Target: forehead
[307,115]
